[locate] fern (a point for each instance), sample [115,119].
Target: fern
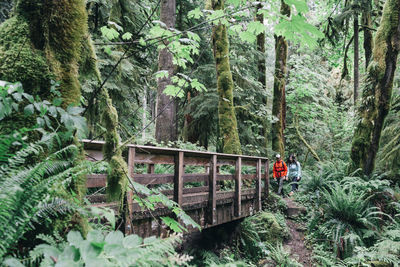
[25,191]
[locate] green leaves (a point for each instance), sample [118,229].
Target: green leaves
[109,33]
[299,31]
[300,5]
[195,13]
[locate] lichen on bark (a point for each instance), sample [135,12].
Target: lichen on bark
[278,103]
[226,113]
[377,91]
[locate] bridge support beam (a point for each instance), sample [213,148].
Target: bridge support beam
[266,187]
[238,189]
[129,193]
[258,186]
[178,178]
[212,191]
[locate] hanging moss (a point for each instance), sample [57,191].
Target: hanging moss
[278,104]
[116,178]
[377,91]
[226,113]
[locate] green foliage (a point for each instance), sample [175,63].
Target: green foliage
[27,191]
[110,249]
[281,257]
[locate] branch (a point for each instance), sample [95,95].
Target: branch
[313,153]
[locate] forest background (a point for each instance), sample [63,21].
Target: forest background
[258,78]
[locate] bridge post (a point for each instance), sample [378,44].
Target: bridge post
[238,190]
[266,188]
[178,178]
[258,186]
[212,191]
[129,193]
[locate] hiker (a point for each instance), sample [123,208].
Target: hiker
[294,173]
[279,172]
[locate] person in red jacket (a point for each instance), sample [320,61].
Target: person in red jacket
[279,172]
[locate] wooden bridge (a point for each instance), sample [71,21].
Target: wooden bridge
[203,196]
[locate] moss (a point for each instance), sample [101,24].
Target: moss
[278,102]
[271,231]
[226,113]
[116,179]
[377,91]
[274,203]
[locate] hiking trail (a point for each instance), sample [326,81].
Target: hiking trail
[295,244]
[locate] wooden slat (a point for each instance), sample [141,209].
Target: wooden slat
[178,178]
[266,177]
[238,182]
[96,180]
[129,193]
[191,190]
[212,191]
[148,179]
[154,159]
[258,186]
[195,177]
[150,168]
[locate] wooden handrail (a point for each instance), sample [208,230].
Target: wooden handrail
[208,193]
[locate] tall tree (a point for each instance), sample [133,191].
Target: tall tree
[366,20]
[278,104]
[377,90]
[43,42]
[166,124]
[356,68]
[226,113]
[261,66]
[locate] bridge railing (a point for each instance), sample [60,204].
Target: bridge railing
[207,193]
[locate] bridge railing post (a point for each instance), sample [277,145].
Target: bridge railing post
[238,189]
[258,186]
[129,193]
[266,177]
[178,178]
[212,191]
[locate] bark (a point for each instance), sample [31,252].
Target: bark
[368,40]
[166,105]
[261,69]
[226,114]
[377,90]
[278,105]
[356,57]
[310,149]
[43,41]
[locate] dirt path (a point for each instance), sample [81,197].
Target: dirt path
[295,244]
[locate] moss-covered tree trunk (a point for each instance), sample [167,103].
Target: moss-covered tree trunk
[368,39]
[356,57]
[377,90]
[226,113]
[166,125]
[278,104]
[261,69]
[43,42]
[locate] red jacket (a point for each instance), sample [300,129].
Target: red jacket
[280,169]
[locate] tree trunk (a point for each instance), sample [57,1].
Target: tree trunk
[368,40]
[278,105]
[261,70]
[226,114]
[166,106]
[377,90]
[356,57]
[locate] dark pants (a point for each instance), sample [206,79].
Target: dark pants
[295,184]
[279,181]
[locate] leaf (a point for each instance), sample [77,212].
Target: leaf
[109,33]
[300,5]
[132,241]
[162,74]
[74,110]
[195,13]
[28,110]
[115,237]
[12,262]
[95,236]
[127,36]
[174,225]
[74,238]
[256,27]
[247,36]
[116,25]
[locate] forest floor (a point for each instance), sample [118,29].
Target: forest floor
[295,244]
